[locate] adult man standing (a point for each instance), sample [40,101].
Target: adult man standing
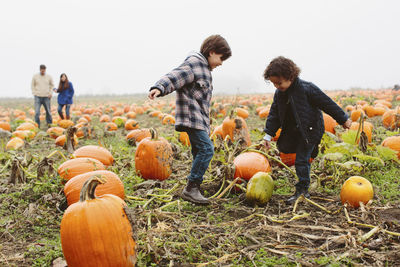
[42,86]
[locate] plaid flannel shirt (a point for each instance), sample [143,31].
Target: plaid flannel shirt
[192,82]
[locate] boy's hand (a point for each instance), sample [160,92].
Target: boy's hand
[347,124]
[154,93]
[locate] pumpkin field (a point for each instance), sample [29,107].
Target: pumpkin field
[103,188]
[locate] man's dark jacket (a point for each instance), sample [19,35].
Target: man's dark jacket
[306,101]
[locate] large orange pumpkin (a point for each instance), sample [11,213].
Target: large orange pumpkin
[113,185]
[24,134]
[241,112]
[249,163]
[74,167]
[95,152]
[356,189]
[111,126]
[96,231]
[153,157]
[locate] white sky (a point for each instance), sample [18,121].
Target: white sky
[117,47]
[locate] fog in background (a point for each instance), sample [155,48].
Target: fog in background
[123,47]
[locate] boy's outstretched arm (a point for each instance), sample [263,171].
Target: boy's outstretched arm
[172,81]
[327,105]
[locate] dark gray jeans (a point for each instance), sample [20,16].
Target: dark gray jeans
[45,101]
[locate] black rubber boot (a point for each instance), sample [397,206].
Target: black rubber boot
[192,193]
[300,190]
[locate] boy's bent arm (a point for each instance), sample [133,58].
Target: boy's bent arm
[273,123]
[327,105]
[174,80]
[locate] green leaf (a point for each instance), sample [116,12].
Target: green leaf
[371,160]
[386,153]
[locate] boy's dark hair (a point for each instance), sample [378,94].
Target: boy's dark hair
[217,44]
[42,67]
[282,67]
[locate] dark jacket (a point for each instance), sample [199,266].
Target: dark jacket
[306,101]
[65,96]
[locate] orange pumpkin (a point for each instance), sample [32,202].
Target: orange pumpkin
[289,158]
[236,128]
[391,118]
[74,167]
[184,138]
[355,114]
[367,129]
[131,115]
[356,189]
[153,157]
[96,231]
[135,136]
[217,132]
[392,142]
[27,126]
[60,141]
[168,119]
[65,123]
[55,132]
[95,152]
[113,185]
[24,134]
[249,163]
[131,125]
[14,143]
[241,112]
[110,126]
[105,118]
[5,126]
[329,123]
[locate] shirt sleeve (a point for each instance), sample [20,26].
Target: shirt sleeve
[175,79]
[51,84]
[267,137]
[33,84]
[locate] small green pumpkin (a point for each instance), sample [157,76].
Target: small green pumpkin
[260,188]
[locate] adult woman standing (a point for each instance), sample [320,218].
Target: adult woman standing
[65,93]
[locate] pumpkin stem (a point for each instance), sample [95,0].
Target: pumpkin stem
[154,134]
[89,187]
[360,125]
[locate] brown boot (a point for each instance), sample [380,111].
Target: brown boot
[192,193]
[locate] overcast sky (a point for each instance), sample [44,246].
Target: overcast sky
[126,46]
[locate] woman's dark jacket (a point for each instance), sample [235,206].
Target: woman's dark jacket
[306,123]
[65,95]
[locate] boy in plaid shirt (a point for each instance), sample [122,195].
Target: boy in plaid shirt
[192,82]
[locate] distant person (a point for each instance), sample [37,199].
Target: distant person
[42,84]
[296,109]
[396,87]
[192,82]
[65,92]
